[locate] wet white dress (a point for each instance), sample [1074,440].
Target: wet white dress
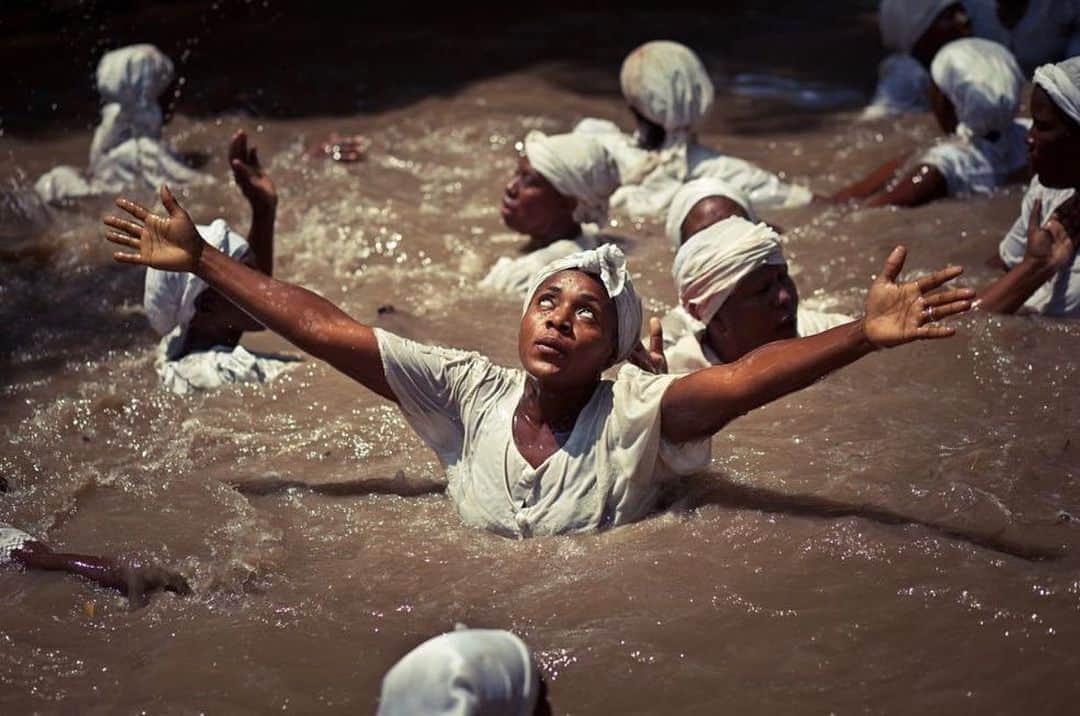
[612,470]
[11,539]
[514,274]
[975,165]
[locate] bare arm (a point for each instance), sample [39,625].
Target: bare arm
[261,193]
[303,318]
[873,182]
[700,404]
[921,185]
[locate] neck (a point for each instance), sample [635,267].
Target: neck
[556,408]
[563,229]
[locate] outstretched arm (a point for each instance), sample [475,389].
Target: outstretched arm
[873,182]
[1050,248]
[261,194]
[700,404]
[305,319]
[921,185]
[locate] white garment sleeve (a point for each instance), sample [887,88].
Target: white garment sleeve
[11,539]
[1014,245]
[956,163]
[903,87]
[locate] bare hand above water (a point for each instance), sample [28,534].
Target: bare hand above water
[168,243]
[1054,243]
[248,172]
[651,359]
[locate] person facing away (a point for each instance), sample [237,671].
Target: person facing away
[975,95]
[1036,31]
[914,31]
[558,197]
[127,151]
[551,447]
[200,346]
[670,95]
[735,295]
[1039,253]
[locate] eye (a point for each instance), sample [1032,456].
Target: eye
[586,312]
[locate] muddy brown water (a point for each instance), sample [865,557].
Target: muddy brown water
[863,546]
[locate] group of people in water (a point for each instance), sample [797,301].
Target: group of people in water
[553,447]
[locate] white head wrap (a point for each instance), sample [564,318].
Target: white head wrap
[983,82]
[709,265]
[1062,83]
[688,197]
[607,263]
[578,167]
[130,80]
[472,672]
[169,296]
[903,22]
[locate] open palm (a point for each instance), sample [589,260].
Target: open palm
[897,313]
[169,243]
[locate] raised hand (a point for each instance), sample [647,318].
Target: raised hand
[253,181]
[897,313]
[652,358]
[1054,243]
[169,243]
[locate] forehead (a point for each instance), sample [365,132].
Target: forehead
[575,281]
[761,273]
[1042,105]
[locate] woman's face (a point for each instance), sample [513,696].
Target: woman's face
[710,210]
[760,310]
[943,108]
[531,205]
[568,333]
[1054,143]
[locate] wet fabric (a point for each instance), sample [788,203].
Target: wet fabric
[903,22]
[1059,296]
[688,197]
[1062,82]
[578,167]
[608,264]
[515,274]
[975,165]
[11,539]
[903,87]
[471,672]
[1048,32]
[983,82]
[613,468]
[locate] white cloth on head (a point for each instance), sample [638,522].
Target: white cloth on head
[578,167]
[903,87]
[903,22]
[976,165]
[471,672]
[1049,30]
[614,468]
[648,185]
[983,82]
[514,275]
[692,192]
[713,261]
[608,264]
[1060,296]
[126,152]
[11,539]
[1062,83]
[667,83]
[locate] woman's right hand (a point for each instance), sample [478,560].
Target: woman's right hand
[1054,243]
[167,243]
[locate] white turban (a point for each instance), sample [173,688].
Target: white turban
[472,672]
[714,260]
[608,264]
[578,167]
[1062,83]
[903,22]
[688,197]
[169,296]
[667,84]
[130,80]
[983,82]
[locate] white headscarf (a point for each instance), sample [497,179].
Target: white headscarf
[983,82]
[688,197]
[714,260]
[607,263]
[472,672]
[903,22]
[130,81]
[169,296]
[1062,82]
[578,167]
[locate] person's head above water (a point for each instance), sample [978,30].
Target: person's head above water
[581,316]
[667,86]
[1054,137]
[134,77]
[922,27]
[470,672]
[733,279]
[977,84]
[561,181]
[701,203]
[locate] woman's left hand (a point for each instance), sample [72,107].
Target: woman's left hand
[898,313]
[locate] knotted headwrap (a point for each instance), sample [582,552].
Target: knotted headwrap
[607,263]
[578,167]
[130,81]
[982,80]
[1062,82]
[693,192]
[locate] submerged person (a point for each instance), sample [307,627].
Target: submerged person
[1040,250]
[735,295]
[670,95]
[975,95]
[558,197]
[704,202]
[1037,31]
[550,448]
[467,672]
[127,151]
[914,30]
[200,348]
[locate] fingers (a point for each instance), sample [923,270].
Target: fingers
[937,313]
[934,330]
[942,298]
[253,158]
[126,258]
[123,239]
[169,201]
[656,336]
[939,277]
[894,264]
[125,226]
[1035,218]
[137,210]
[241,172]
[238,146]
